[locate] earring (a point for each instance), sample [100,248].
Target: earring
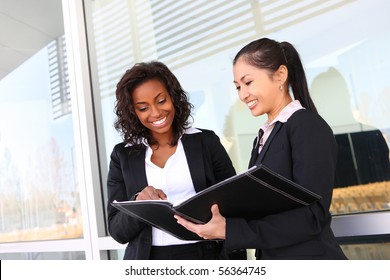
[280,87]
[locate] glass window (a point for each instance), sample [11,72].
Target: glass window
[38,186]
[351,93]
[44,256]
[371,251]
[343,46]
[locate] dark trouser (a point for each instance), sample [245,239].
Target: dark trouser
[204,250]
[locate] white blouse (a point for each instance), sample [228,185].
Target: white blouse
[174,179]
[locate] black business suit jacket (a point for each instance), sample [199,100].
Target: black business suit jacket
[304,150]
[208,163]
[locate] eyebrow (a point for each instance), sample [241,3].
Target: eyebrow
[242,78]
[157,96]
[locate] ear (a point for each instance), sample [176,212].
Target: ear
[281,74]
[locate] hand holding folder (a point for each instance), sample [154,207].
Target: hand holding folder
[253,194]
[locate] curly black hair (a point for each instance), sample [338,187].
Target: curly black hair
[127,122]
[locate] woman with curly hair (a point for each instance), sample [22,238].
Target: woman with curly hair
[161,157]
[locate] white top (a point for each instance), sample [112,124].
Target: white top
[175,180]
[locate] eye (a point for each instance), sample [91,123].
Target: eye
[248,83]
[142,109]
[162,101]
[238,87]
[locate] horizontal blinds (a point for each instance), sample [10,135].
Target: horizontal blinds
[179,32]
[59,79]
[282,14]
[113,41]
[188,31]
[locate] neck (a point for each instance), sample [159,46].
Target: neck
[279,107]
[163,140]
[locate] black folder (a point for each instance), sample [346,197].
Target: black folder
[253,194]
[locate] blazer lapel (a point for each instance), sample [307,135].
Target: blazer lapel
[255,149]
[136,162]
[263,151]
[192,144]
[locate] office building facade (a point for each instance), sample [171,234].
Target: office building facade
[60,63]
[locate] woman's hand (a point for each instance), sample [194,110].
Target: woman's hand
[151,193]
[214,229]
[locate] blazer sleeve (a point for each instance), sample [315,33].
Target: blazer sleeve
[312,155]
[121,226]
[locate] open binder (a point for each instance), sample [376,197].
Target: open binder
[255,193]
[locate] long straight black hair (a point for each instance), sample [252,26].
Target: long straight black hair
[268,54]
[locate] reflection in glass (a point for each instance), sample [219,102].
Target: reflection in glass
[344,46]
[355,112]
[38,187]
[371,251]
[44,256]
[198,40]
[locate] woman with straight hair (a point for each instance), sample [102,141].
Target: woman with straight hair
[295,142]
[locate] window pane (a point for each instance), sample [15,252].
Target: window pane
[371,251]
[343,45]
[38,185]
[44,256]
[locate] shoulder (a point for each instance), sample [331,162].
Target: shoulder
[304,114]
[124,149]
[306,124]
[200,132]
[119,147]
[207,132]
[306,118]
[205,137]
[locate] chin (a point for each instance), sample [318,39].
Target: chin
[255,113]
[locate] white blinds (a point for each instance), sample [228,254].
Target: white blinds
[59,81]
[179,32]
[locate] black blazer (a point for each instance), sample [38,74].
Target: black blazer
[303,150]
[208,162]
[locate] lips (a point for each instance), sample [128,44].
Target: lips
[251,104]
[160,122]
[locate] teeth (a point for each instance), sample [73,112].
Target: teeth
[160,121]
[251,103]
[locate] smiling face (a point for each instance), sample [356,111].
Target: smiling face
[259,89]
[154,108]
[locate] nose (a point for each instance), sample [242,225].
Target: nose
[155,111]
[243,94]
